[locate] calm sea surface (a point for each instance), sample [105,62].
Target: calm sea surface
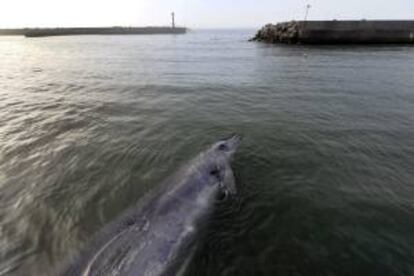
[325,173]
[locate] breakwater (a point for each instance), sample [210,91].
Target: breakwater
[338,32]
[4,32]
[41,32]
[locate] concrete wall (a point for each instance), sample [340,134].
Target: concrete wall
[338,32]
[328,32]
[38,32]
[12,31]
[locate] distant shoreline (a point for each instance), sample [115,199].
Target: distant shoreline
[43,32]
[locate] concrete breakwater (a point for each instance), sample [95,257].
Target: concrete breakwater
[41,32]
[338,32]
[7,32]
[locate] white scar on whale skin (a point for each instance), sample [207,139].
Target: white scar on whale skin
[87,270]
[95,257]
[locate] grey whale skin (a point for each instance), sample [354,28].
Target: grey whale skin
[157,237]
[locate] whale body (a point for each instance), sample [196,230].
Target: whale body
[157,237]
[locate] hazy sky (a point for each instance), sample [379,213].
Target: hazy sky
[192,13]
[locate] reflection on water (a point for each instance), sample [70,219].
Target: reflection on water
[89,124]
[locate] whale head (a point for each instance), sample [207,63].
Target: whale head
[218,166]
[227,147]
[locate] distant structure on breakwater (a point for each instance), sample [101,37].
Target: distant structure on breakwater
[42,32]
[338,32]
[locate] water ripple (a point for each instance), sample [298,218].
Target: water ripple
[89,124]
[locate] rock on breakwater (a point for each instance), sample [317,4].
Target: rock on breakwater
[286,32]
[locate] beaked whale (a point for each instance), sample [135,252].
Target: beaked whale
[157,237]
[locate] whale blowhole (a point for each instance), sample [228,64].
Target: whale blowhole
[223,147]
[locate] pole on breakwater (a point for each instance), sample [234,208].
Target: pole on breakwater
[308,7]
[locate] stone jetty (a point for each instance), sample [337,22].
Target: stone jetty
[338,32]
[42,32]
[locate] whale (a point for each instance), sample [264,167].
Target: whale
[159,234]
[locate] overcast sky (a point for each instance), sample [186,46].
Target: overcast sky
[192,13]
